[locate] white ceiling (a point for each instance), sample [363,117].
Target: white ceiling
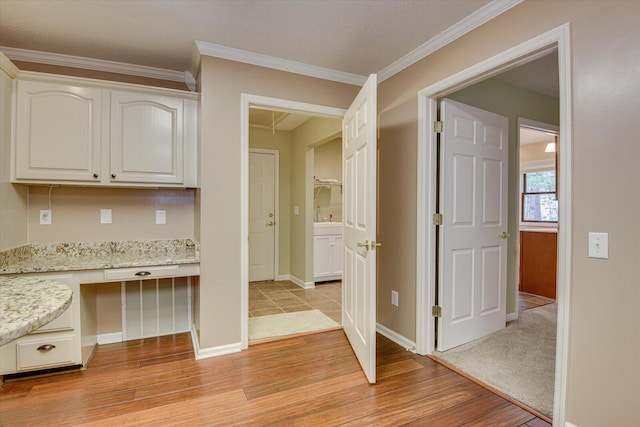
[353,36]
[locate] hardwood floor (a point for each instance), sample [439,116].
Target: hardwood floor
[302,381]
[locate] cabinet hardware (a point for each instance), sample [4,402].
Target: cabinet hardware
[95,175]
[113,176]
[46,347]
[143,273]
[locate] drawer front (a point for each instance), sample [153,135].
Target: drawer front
[141,273]
[44,353]
[60,323]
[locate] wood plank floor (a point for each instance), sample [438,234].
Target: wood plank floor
[312,380]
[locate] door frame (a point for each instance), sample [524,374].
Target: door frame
[276,209]
[246,101]
[426,180]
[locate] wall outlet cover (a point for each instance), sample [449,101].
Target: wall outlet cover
[394,298]
[105,216]
[45,217]
[161,217]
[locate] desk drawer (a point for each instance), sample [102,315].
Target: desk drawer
[140,273]
[44,353]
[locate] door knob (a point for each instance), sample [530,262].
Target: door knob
[270,224]
[375,244]
[270,214]
[364,244]
[504,235]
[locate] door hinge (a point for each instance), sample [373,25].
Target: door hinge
[437,219]
[436,311]
[438,126]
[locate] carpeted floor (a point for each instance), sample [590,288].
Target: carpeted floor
[277,325]
[518,360]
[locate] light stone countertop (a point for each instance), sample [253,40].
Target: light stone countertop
[40,258]
[29,303]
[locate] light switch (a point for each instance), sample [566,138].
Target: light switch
[161,217]
[599,245]
[105,216]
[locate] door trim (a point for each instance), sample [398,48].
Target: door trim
[425,246]
[247,100]
[276,209]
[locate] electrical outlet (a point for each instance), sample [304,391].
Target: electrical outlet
[105,216]
[45,217]
[394,298]
[161,217]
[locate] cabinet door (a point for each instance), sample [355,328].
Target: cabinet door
[321,256]
[146,138]
[336,255]
[57,132]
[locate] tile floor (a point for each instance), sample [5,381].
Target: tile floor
[276,297]
[527,301]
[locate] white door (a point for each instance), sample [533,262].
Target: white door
[262,204]
[359,278]
[473,197]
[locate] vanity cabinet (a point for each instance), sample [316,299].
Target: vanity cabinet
[327,252]
[54,345]
[90,132]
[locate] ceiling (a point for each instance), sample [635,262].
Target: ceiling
[352,36]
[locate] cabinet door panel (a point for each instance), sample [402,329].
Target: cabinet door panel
[58,132]
[146,138]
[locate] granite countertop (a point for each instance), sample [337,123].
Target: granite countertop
[39,258]
[27,304]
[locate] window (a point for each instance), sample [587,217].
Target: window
[539,201]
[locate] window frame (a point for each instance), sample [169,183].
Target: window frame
[524,193]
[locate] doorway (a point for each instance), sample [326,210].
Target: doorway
[526,52]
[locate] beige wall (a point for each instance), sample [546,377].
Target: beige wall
[327,163]
[535,151]
[75,214]
[281,142]
[13,198]
[605,57]
[222,82]
[513,103]
[108,308]
[311,133]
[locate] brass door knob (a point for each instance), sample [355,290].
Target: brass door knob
[270,224]
[504,235]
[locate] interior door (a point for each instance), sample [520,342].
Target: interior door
[262,203]
[473,245]
[359,218]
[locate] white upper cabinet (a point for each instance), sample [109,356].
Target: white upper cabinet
[58,132]
[88,132]
[146,138]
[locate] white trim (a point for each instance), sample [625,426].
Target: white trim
[247,100]
[111,338]
[298,281]
[558,37]
[462,27]
[7,66]
[282,277]
[259,59]
[402,341]
[205,353]
[537,165]
[276,212]
[512,316]
[91,64]
[569,424]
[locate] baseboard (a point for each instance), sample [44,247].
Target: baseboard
[568,424]
[205,353]
[512,316]
[111,338]
[302,283]
[280,277]
[404,342]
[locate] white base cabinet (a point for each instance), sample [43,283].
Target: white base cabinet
[88,132]
[327,252]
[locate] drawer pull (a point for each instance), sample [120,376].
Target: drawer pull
[143,273]
[46,347]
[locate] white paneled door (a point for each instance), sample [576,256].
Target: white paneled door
[262,210]
[359,276]
[473,243]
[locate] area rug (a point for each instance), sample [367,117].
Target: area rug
[518,360]
[298,322]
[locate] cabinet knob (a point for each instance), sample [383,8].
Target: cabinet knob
[143,273]
[95,175]
[113,176]
[46,347]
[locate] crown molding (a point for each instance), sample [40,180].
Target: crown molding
[233,54]
[91,64]
[471,22]
[7,66]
